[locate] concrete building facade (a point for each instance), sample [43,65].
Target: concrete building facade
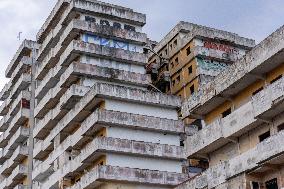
[96,124]
[244,147]
[191,55]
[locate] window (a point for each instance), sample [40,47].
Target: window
[166,52]
[277,78]
[255,185]
[257,91]
[104,23]
[272,184]
[192,89]
[189,70]
[264,136]
[172,64]
[188,51]
[178,79]
[175,43]
[90,19]
[117,25]
[171,46]
[130,28]
[226,113]
[176,60]
[281,127]
[174,82]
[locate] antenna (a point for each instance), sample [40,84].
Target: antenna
[19,36]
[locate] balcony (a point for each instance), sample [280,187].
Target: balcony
[263,107]
[24,50]
[61,10]
[216,54]
[19,119]
[261,158]
[77,69]
[96,95]
[119,174]
[103,145]
[16,177]
[254,65]
[18,138]
[20,154]
[66,102]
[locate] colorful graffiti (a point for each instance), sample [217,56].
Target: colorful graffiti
[88,38]
[210,67]
[220,47]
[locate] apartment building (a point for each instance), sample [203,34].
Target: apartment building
[15,122]
[191,55]
[242,134]
[97,125]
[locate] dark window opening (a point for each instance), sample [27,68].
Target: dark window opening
[166,52]
[281,127]
[161,55]
[90,19]
[255,185]
[178,79]
[104,23]
[175,43]
[257,91]
[276,79]
[197,123]
[172,65]
[189,70]
[171,46]
[176,60]
[130,28]
[117,25]
[167,68]
[226,113]
[174,82]
[188,51]
[264,136]
[181,143]
[192,89]
[272,184]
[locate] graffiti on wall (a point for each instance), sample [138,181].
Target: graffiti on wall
[89,38]
[210,67]
[220,47]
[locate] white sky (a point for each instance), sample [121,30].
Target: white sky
[250,18]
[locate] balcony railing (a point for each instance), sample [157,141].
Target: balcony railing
[262,107]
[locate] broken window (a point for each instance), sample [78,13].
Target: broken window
[117,25]
[264,136]
[178,79]
[104,23]
[255,185]
[191,89]
[175,43]
[226,113]
[188,51]
[189,70]
[176,61]
[272,184]
[130,28]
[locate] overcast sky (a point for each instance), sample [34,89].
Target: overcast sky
[249,18]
